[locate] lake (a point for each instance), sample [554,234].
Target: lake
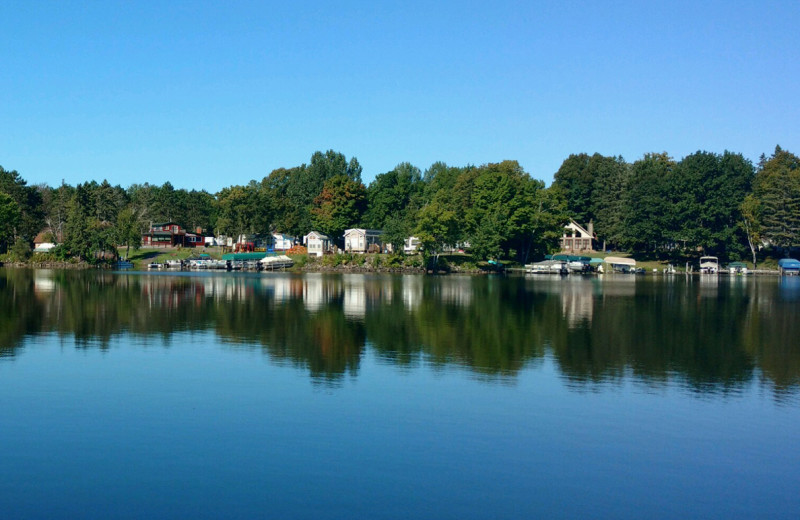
[136,395]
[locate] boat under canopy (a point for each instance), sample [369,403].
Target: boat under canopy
[620,260]
[789,266]
[276,262]
[621,264]
[709,265]
[547,267]
[737,268]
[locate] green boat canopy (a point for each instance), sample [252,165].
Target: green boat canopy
[571,258]
[243,257]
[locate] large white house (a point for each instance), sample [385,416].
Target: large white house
[362,240]
[576,237]
[317,243]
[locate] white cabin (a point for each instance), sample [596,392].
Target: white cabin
[362,240]
[317,243]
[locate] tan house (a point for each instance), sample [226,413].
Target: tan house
[577,238]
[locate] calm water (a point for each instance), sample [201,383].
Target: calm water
[317,396]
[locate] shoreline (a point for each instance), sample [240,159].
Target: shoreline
[361,269]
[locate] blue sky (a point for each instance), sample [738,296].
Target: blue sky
[211,94]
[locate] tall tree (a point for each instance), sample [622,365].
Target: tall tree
[611,176]
[393,195]
[495,215]
[648,210]
[306,183]
[576,180]
[436,228]
[29,203]
[129,229]
[54,203]
[707,191]
[339,206]
[77,237]
[544,221]
[777,188]
[236,208]
[9,218]
[751,224]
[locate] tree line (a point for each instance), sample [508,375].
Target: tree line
[717,203]
[713,203]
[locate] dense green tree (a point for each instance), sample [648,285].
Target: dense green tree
[576,179]
[237,211]
[288,217]
[611,176]
[508,214]
[544,221]
[777,188]
[495,215]
[198,207]
[339,206]
[392,195]
[9,219]
[108,201]
[305,183]
[54,203]
[77,239]
[440,179]
[707,191]
[129,229]
[21,250]
[396,230]
[436,228]
[143,198]
[29,203]
[647,205]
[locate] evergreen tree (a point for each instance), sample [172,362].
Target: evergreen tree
[777,188]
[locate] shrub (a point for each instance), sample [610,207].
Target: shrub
[20,251]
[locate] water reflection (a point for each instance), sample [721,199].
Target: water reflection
[708,333]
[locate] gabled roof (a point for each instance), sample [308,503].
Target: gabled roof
[317,234]
[580,228]
[40,237]
[365,231]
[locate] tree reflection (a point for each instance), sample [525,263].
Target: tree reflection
[714,335]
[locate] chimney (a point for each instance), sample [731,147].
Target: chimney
[590,228]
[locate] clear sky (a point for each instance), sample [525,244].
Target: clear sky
[211,94]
